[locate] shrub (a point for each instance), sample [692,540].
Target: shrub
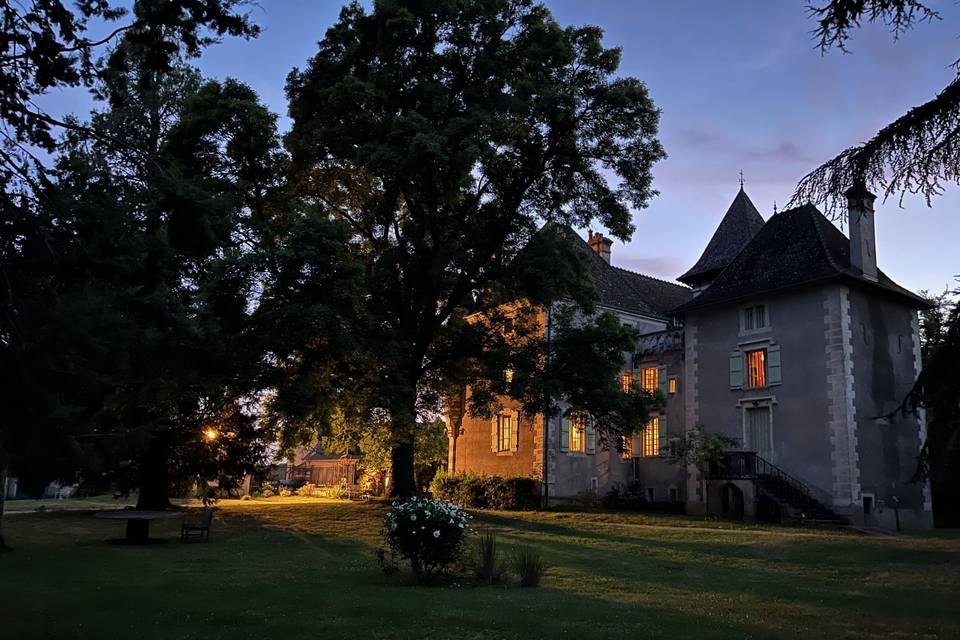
[529,566]
[266,490]
[285,493]
[337,492]
[486,492]
[428,533]
[486,561]
[631,496]
[308,491]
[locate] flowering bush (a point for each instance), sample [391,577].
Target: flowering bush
[429,533]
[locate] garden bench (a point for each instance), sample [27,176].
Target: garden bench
[197,529]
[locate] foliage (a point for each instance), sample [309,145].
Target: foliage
[916,153]
[429,533]
[46,45]
[702,448]
[529,566]
[631,496]
[487,564]
[284,492]
[267,490]
[445,134]
[486,492]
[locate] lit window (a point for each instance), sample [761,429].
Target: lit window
[506,432]
[626,381]
[578,432]
[673,386]
[651,438]
[648,379]
[627,452]
[756,368]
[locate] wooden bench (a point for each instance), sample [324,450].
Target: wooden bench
[197,529]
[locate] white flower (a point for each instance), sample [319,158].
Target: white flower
[436,534]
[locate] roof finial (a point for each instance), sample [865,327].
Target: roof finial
[774,207]
[741,179]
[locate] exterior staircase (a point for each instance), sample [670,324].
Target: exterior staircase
[794,499]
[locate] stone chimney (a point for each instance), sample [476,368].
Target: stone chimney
[600,244]
[863,238]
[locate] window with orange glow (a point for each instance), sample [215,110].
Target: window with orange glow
[627,452]
[505,432]
[578,432]
[626,381]
[651,438]
[673,386]
[648,379]
[756,368]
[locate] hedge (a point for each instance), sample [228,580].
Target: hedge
[487,492]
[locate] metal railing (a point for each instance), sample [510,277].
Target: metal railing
[748,465]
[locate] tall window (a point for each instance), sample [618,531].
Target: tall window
[651,438]
[756,368]
[648,379]
[758,436]
[673,386]
[578,432]
[627,445]
[626,381]
[754,317]
[506,432]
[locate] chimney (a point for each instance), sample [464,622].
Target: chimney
[600,244]
[863,238]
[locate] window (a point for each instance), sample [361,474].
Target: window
[626,443]
[651,438]
[673,494]
[673,386]
[626,381]
[578,432]
[649,379]
[753,318]
[756,368]
[651,495]
[506,432]
[868,500]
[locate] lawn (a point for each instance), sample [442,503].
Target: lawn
[307,569]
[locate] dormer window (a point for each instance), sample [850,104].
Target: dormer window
[754,318]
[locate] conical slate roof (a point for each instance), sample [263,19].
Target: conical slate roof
[795,248]
[741,222]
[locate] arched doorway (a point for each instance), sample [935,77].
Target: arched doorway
[731,501]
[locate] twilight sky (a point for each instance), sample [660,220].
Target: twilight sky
[741,86]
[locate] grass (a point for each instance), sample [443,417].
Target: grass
[306,568]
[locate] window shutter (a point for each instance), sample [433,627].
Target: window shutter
[736,369]
[591,434]
[564,433]
[773,364]
[494,444]
[662,441]
[516,430]
[663,382]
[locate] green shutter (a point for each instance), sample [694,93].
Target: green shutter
[494,439]
[736,369]
[663,382]
[773,365]
[591,436]
[564,433]
[663,434]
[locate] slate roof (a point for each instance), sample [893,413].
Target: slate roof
[741,222]
[794,248]
[630,291]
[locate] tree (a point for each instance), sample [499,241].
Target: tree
[128,351]
[445,134]
[917,153]
[47,45]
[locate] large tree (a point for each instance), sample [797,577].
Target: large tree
[445,133]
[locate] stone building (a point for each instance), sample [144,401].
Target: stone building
[789,341]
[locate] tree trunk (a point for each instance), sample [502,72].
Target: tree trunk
[404,422]
[154,480]
[3,500]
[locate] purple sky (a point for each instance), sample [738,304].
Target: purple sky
[741,86]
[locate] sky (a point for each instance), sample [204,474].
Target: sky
[741,86]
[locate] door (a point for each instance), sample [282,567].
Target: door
[758,432]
